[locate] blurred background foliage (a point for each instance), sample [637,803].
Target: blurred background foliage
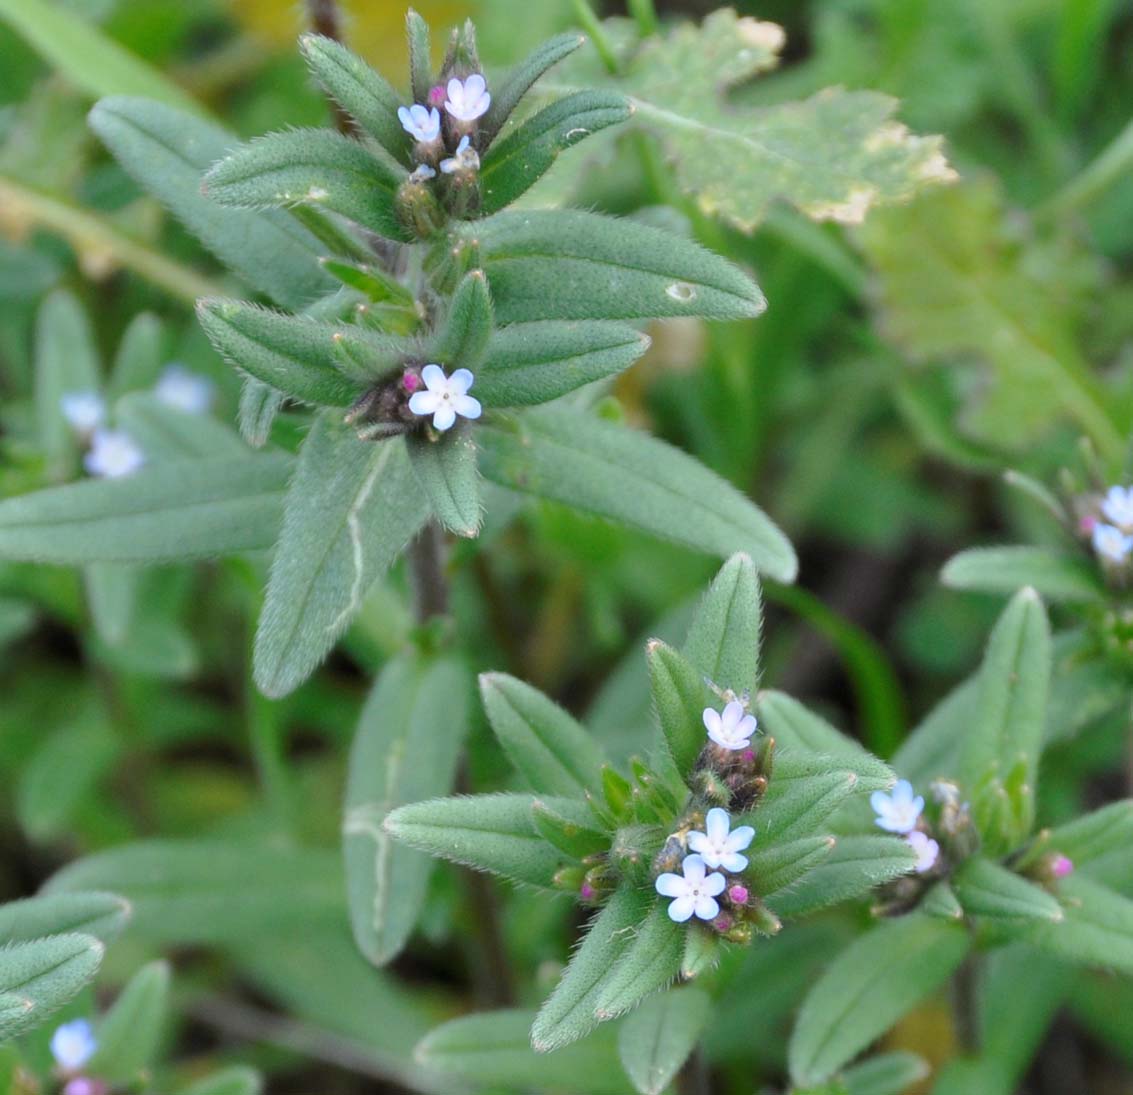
[901,366]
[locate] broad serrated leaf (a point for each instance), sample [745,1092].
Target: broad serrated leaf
[648,964]
[44,974]
[515,163]
[228,1081]
[405,749]
[626,476]
[508,92]
[351,508]
[166,151]
[186,509]
[446,471]
[723,639]
[574,265]
[834,156]
[656,1040]
[1096,929]
[781,864]
[209,891]
[363,93]
[492,833]
[868,987]
[854,867]
[1055,575]
[552,751]
[530,363]
[102,915]
[985,889]
[568,1013]
[467,328]
[315,167]
[680,696]
[292,354]
[129,1033]
[1001,748]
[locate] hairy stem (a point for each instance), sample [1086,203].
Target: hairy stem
[965,1005]
[427,573]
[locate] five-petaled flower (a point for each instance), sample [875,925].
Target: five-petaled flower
[463,159]
[84,411]
[730,729]
[113,454]
[927,850]
[694,891]
[73,1045]
[897,812]
[1111,543]
[468,99]
[420,122]
[1118,507]
[717,846]
[184,390]
[445,397]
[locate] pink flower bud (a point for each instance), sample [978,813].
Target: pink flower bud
[722,923]
[587,892]
[1087,523]
[1061,866]
[437,95]
[738,895]
[83,1085]
[411,381]
[748,756]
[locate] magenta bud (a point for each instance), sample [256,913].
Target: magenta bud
[738,895]
[1087,524]
[437,95]
[587,892]
[722,923]
[84,1085]
[1061,866]
[410,381]
[748,756]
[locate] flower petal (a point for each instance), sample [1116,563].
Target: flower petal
[740,838]
[461,381]
[706,908]
[475,86]
[467,405]
[694,869]
[714,884]
[444,418]
[434,377]
[733,713]
[698,841]
[717,824]
[671,885]
[681,909]
[711,719]
[733,862]
[424,402]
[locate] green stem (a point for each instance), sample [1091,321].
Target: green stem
[1111,165]
[593,27]
[646,16]
[965,1004]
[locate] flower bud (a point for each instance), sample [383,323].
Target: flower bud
[418,208]
[738,894]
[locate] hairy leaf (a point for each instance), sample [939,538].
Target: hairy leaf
[129,1033]
[446,471]
[39,976]
[656,1040]
[506,96]
[464,337]
[1056,576]
[680,697]
[102,915]
[988,890]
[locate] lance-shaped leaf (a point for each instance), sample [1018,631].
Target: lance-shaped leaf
[1055,575]
[570,825]
[553,752]
[1001,747]
[102,915]
[259,404]
[854,867]
[508,92]
[723,639]
[679,699]
[405,749]
[569,1012]
[648,964]
[446,471]
[467,329]
[702,952]
[363,93]
[130,1032]
[494,1048]
[420,62]
[351,508]
[513,165]
[228,1081]
[208,891]
[887,1074]
[315,167]
[492,833]
[38,977]
[166,151]
[166,433]
[530,363]
[1094,839]
[1097,928]
[988,890]
[933,748]
[183,509]
[656,1040]
[780,864]
[574,265]
[835,155]
[868,987]
[805,790]
[293,354]
[626,476]
[140,356]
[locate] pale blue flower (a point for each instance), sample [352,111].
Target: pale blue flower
[694,890]
[898,811]
[927,850]
[73,1044]
[1118,506]
[463,159]
[446,397]
[184,390]
[84,411]
[730,729]
[1111,543]
[420,122]
[718,846]
[468,99]
[113,453]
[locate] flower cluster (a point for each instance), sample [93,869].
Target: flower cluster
[900,812]
[445,397]
[694,890]
[73,1045]
[1111,530]
[464,102]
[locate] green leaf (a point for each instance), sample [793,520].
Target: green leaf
[570,825]
[1054,575]
[66,362]
[293,354]
[259,404]
[446,471]
[363,93]
[38,977]
[112,592]
[782,863]
[506,96]
[856,865]
[166,151]
[494,1048]
[568,1012]
[1002,746]
[530,363]
[467,329]
[513,165]
[648,964]
[574,265]
[679,699]
[211,891]
[868,987]
[888,1074]
[405,749]
[834,156]
[723,639]
[988,890]
[626,476]
[420,59]
[553,752]
[166,433]
[656,1040]
[1097,929]
[228,1081]
[129,1033]
[168,512]
[140,356]
[1089,841]
[102,915]
[316,167]
[90,60]
[932,750]
[492,833]
[702,952]
[351,508]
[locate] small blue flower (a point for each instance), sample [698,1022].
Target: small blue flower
[463,159]
[184,390]
[898,811]
[468,99]
[926,849]
[73,1044]
[694,890]
[84,411]
[1111,543]
[1118,506]
[421,123]
[718,846]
